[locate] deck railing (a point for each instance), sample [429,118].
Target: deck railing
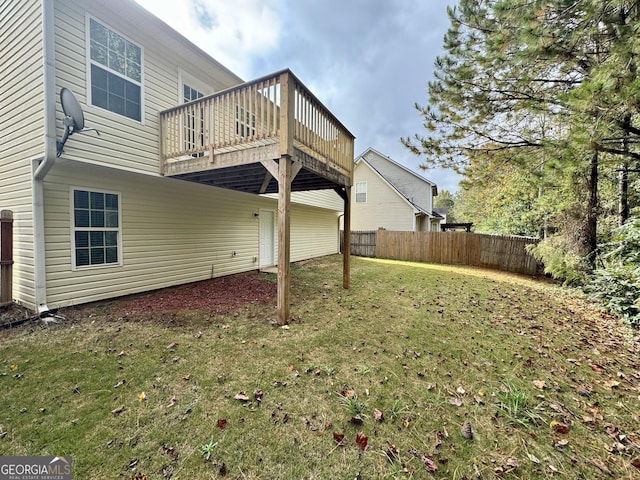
[275,109]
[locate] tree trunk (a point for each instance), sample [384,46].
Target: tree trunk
[591,240]
[623,175]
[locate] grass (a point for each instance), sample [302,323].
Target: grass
[549,385]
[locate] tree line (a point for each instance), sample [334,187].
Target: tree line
[536,104]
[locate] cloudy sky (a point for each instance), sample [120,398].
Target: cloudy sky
[368,61]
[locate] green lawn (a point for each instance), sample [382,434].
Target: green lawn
[373,382]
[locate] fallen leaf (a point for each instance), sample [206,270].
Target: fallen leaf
[119,384]
[541,384]
[559,427]
[392,452]
[429,464]
[461,391]
[243,397]
[356,420]
[338,438]
[172,345]
[362,441]
[117,411]
[186,377]
[172,402]
[258,394]
[533,458]
[512,463]
[171,452]
[636,463]
[221,423]
[466,431]
[456,402]
[378,415]
[348,393]
[142,397]
[600,464]
[611,384]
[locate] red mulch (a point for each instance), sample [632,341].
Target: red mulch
[219,295]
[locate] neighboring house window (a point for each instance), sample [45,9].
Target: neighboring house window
[96,228]
[245,122]
[116,72]
[361,192]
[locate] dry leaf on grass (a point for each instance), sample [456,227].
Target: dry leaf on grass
[378,415]
[362,441]
[429,464]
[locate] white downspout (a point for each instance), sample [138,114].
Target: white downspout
[41,166]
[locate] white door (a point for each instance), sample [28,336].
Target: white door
[267,238]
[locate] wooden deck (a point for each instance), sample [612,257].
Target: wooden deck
[224,139]
[265,136]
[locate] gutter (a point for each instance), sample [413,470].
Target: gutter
[41,166]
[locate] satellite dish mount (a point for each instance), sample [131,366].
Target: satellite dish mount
[73,118]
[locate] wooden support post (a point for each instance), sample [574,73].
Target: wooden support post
[284,239]
[346,247]
[6,257]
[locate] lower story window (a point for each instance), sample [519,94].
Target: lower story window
[96,228]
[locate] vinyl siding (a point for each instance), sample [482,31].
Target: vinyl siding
[316,198]
[21,128]
[125,143]
[173,232]
[384,207]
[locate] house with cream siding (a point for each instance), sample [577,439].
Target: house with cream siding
[195,173]
[388,195]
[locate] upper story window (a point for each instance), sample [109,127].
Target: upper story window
[115,72]
[361,192]
[96,228]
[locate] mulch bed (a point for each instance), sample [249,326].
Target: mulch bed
[219,295]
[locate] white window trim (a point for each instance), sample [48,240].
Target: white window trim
[87,27]
[366,192]
[193,82]
[75,267]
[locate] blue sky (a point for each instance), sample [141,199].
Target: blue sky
[368,61]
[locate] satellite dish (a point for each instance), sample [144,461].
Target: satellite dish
[73,118]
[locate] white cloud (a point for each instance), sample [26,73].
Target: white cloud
[231,32]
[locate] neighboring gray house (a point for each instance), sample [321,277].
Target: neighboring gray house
[390,196]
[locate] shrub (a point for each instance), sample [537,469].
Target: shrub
[617,284]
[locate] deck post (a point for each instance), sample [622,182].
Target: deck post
[346,247]
[6,257]
[284,239]
[286,173]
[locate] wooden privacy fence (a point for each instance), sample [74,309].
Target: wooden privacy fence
[501,252]
[6,256]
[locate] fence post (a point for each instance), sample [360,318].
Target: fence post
[6,257]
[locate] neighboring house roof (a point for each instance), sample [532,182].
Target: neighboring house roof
[408,184]
[441,211]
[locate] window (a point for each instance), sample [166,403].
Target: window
[115,72]
[96,221]
[361,192]
[194,123]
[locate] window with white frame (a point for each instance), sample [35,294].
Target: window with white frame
[96,228]
[194,120]
[361,192]
[115,78]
